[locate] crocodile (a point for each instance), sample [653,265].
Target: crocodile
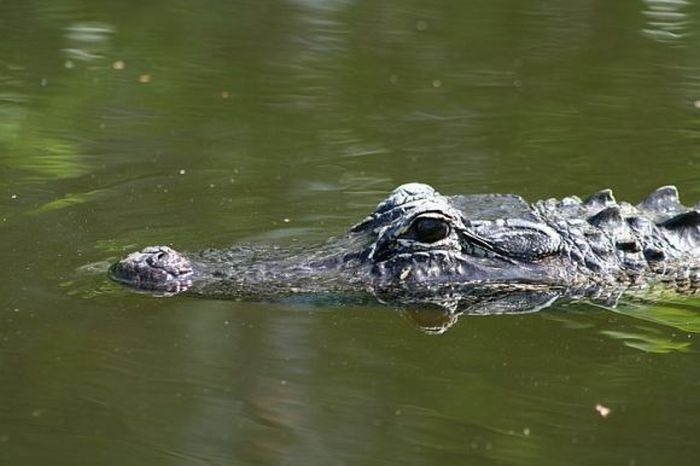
[484,253]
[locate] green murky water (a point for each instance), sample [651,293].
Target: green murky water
[124,124]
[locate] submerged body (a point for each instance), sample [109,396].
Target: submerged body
[421,246]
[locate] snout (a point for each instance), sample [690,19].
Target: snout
[155,268]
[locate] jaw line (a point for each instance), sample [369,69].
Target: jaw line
[436,268]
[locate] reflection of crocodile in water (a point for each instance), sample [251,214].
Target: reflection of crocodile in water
[488,253]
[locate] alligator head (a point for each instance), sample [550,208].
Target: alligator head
[421,246]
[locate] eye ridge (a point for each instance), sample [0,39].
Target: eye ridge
[429,229]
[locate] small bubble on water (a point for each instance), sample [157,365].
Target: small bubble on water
[182,171]
[118,65]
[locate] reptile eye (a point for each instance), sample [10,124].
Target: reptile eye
[429,229]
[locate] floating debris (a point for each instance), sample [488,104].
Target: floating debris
[603,410]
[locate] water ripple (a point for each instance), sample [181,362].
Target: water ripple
[666,20]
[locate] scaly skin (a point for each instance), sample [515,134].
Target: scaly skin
[420,246]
